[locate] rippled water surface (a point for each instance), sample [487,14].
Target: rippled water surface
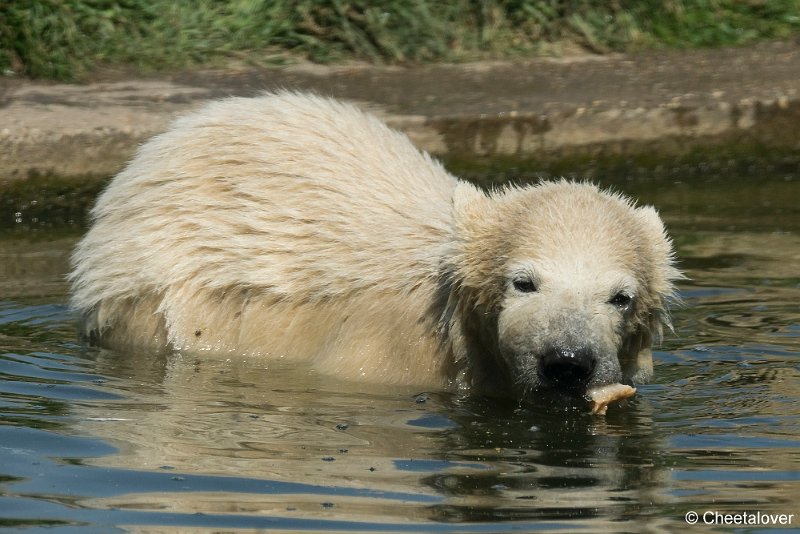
[92,440]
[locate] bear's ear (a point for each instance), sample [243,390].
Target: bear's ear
[479,245]
[655,235]
[653,315]
[470,206]
[660,273]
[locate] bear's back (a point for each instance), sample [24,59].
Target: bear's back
[297,195]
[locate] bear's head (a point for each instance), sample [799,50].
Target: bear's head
[560,287]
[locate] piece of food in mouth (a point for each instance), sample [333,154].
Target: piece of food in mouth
[602,396]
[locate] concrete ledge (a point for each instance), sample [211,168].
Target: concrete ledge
[669,103]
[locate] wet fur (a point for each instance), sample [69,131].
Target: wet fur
[293,226]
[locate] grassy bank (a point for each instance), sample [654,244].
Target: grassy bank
[66,39]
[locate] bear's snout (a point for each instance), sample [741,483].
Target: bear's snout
[568,366]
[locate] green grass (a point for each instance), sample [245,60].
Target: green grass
[67,39]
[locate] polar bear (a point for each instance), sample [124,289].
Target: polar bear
[295,226]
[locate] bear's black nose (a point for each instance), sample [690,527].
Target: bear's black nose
[568,366]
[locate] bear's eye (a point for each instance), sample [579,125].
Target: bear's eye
[524,285]
[621,300]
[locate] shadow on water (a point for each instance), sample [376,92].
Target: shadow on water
[97,440]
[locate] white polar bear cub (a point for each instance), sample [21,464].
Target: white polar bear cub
[295,226]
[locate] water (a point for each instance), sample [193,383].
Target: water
[92,440]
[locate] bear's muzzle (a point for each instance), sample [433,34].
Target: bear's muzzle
[567,367]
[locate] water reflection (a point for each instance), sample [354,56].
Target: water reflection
[476,459]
